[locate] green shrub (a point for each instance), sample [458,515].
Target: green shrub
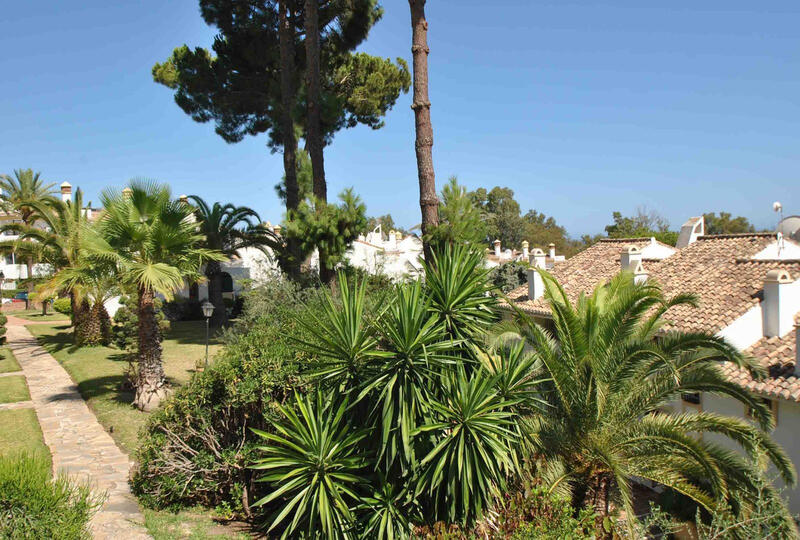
[11,293]
[3,321]
[125,331]
[196,449]
[63,305]
[508,276]
[31,506]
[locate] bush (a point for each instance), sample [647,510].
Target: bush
[11,293]
[125,332]
[31,506]
[63,305]
[508,276]
[3,321]
[183,309]
[196,449]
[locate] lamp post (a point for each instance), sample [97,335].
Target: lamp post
[208,310]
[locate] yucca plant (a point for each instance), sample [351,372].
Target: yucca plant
[613,376]
[315,468]
[472,434]
[417,351]
[457,287]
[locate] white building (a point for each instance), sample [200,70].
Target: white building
[748,286]
[397,256]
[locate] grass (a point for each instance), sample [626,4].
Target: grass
[35,315]
[100,373]
[13,389]
[195,524]
[20,433]
[8,364]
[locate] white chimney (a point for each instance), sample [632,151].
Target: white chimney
[66,192]
[629,258]
[127,193]
[690,230]
[525,253]
[535,284]
[184,199]
[392,240]
[639,273]
[537,259]
[497,248]
[777,309]
[551,252]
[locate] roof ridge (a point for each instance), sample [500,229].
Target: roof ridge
[741,260]
[737,235]
[635,239]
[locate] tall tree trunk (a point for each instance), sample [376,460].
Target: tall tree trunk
[44,307]
[314,142]
[428,202]
[150,380]
[286,49]
[214,275]
[93,327]
[79,316]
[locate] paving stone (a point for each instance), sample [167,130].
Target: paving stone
[78,443]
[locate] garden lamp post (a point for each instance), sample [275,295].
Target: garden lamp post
[208,310]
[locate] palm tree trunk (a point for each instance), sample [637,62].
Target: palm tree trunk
[214,275]
[286,49]
[314,142]
[93,330]
[150,381]
[428,202]
[29,286]
[44,308]
[79,319]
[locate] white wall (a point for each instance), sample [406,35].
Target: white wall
[785,434]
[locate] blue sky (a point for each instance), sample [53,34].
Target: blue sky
[582,108]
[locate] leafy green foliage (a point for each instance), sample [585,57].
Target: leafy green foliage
[643,224]
[311,460]
[33,506]
[508,276]
[460,220]
[608,375]
[196,448]
[63,305]
[3,321]
[124,332]
[725,223]
[240,91]
[331,228]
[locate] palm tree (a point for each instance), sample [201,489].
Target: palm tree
[56,238]
[227,229]
[18,194]
[154,245]
[613,370]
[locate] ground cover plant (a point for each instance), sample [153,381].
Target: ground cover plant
[33,506]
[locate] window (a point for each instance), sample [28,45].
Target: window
[771,404]
[692,399]
[9,259]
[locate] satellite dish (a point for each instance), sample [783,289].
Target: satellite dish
[790,226]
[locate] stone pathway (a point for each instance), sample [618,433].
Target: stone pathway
[78,443]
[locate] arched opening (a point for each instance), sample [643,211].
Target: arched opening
[227,283]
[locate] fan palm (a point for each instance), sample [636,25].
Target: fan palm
[153,243]
[227,229]
[18,194]
[56,238]
[613,370]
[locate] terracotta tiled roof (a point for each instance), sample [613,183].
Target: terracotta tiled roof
[717,269]
[720,271]
[778,356]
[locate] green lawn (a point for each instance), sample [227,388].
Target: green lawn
[100,372]
[20,432]
[36,315]
[8,363]
[195,524]
[13,388]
